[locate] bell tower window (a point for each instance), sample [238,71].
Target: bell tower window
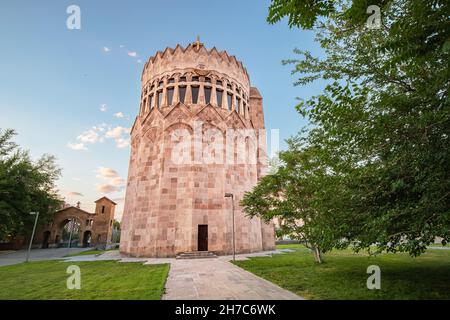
[208,94]
[195,90]
[182,93]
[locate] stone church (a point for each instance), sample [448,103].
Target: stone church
[199,134]
[79,227]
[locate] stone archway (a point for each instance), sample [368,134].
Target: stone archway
[87,238]
[70,231]
[46,238]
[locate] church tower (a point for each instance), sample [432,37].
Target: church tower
[199,134]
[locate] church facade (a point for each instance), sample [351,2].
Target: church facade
[199,135]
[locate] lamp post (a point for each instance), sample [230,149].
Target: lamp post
[230,195]
[32,234]
[71,231]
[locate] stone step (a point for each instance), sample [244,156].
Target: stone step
[196,255]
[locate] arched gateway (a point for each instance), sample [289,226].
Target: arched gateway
[79,228]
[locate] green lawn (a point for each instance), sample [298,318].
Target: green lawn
[103,280]
[343,274]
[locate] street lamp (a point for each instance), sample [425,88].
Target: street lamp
[32,234]
[230,195]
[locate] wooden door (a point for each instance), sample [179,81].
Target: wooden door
[202,237]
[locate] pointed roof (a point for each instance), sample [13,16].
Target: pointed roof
[106,198]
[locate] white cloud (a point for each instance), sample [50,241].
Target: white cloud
[119,134]
[122,143]
[132,54]
[114,183]
[74,193]
[119,115]
[106,49]
[89,136]
[100,133]
[103,107]
[118,181]
[107,173]
[106,188]
[76,146]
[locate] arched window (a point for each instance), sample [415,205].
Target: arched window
[159,97]
[183,79]
[230,100]
[208,94]
[238,103]
[171,80]
[219,94]
[195,90]
[182,93]
[170,95]
[151,101]
[219,82]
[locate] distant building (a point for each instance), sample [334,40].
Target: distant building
[78,227]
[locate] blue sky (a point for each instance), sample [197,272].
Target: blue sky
[53,80]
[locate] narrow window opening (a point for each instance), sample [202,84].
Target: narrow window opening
[219,97]
[219,82]
[159,97]
[182,93]
[207,95]
[182,79]
[170,95]
[151,101]
[103,209]
[238,103]
[195,90]
[230,100]
[195,79]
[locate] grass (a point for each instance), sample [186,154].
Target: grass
[100,280]
[343,274]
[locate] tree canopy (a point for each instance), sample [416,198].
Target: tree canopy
[373,167]
[25,186]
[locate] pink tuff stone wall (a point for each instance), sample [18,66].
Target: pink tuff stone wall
[166,200]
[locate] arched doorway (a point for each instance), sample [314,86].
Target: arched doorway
[46,239]
[87,239]
[71,229]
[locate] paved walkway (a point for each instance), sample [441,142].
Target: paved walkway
[15,257]
[218,279]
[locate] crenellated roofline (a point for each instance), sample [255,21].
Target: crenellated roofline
[222,56]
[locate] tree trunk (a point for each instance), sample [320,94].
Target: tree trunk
[317,254]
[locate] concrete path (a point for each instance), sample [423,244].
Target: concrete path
[16,257]
[218,279]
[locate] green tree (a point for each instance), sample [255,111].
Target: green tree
[25,186]
[380,130]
